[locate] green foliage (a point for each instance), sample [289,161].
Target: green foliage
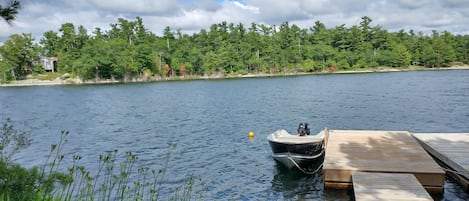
[49,44]
[429,56]
[361,63]
[48,76]
[38,69]
[11,140]
[19,183]
[9,12]
[212,62]
[113,181]
[308,65]
[242,72]
[396,56]
[17,55]
[16,182]
[5,74]
[461,45]
[402,56]
[128,48]
[342,64]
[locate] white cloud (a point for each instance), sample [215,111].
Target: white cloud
[207,5]
[197,18]
[272,11]
[144,7]
[413,4]
[4,28]
[245,7]
[455,3]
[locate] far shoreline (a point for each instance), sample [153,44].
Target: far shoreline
[77,81]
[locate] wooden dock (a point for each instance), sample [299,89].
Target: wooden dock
[397,152]
[385,186]
[452,149]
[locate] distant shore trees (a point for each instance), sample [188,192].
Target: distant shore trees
[129,50]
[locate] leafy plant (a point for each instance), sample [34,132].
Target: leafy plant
[112,181]
[12,140]
[16,182]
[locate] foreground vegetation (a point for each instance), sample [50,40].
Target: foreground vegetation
[128,50]
[112,180]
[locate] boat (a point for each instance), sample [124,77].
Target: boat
[303,151]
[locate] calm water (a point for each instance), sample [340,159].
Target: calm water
[209,122]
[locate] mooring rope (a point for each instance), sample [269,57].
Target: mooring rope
[301,169]
[454,172]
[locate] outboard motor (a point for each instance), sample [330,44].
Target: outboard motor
[307,131]
[301,129]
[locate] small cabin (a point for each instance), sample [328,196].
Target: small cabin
[49,64]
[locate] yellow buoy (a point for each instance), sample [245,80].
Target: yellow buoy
[251,134]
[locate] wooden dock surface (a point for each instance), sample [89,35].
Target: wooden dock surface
[386,186]
[450,148]
[351,151]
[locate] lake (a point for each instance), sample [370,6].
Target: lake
[208,122]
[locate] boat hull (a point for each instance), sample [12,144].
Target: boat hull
[303,152]
[300,161]
[306,149]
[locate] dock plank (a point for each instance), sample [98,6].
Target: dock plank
[450,148]
[385,186]
[348,152]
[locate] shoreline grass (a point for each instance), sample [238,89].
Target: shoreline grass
[117,177]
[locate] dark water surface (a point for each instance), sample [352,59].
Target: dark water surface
[209,122]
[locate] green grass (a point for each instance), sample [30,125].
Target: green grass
[47,76]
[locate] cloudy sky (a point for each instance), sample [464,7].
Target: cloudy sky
[39,16]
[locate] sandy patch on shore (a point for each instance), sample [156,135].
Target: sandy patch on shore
[37,82]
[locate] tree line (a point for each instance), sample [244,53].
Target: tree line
[129,50]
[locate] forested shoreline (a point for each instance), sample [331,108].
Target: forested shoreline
[128,50]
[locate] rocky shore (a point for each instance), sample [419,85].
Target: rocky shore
[77,81]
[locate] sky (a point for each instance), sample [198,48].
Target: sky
[190,16]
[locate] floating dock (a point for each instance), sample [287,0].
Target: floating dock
[452,149]
[385,186]
[395,152]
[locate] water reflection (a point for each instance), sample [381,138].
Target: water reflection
[292,184]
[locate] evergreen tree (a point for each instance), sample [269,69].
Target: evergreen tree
[9,12]
[18,54]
